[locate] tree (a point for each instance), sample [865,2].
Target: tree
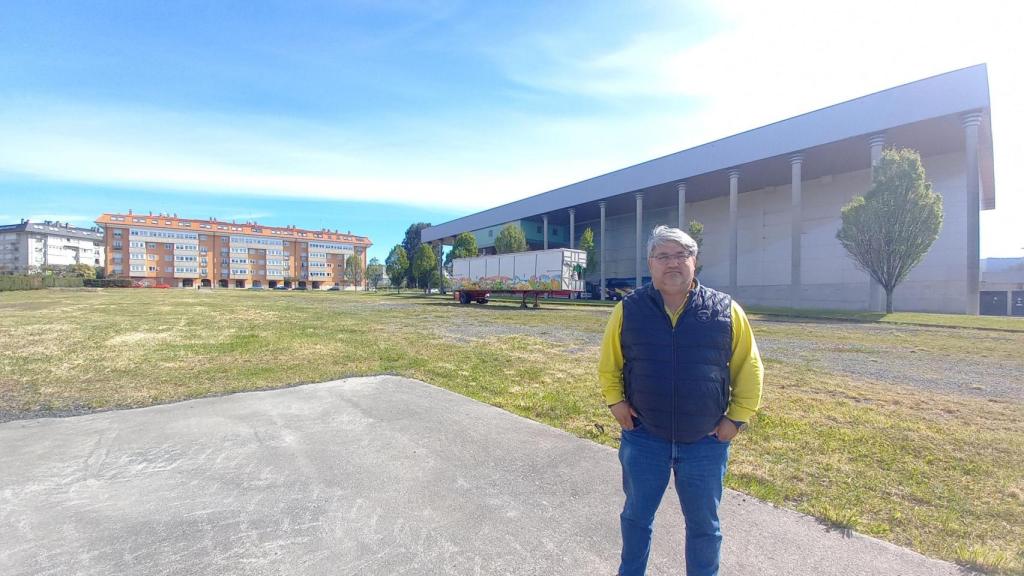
[397,266]
[510,239]
[374,272]
[889,230]
[411,243]
[587,245]
[354,269]
[464,247]
[424,266]
[696,231]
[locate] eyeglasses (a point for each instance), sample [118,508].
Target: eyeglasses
[666,258]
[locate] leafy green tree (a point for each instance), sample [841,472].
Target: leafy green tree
[696,231]
[510,239]
[587,245]
[424,266]
[411,243]
[888,231]
[374,272]
[464,247]
[397,266]
[354,269]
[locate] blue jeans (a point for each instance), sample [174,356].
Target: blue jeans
[699,470]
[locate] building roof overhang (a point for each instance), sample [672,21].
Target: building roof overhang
[924,115]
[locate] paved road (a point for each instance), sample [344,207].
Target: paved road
[362,476]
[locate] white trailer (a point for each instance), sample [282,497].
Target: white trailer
[557,272]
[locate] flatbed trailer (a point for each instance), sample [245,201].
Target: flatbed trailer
[557,272]
[467,296]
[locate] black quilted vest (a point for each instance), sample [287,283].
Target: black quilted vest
[677,379]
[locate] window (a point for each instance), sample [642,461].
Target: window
[153,269]
[150,244]
[169,246]
[490,233]
[117,245]
[137,244]
[540,229]
[136,268]
[117,232]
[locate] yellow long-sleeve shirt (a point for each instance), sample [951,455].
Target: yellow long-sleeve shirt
[745,369]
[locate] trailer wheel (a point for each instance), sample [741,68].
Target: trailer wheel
[464,298]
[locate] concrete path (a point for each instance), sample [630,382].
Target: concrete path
[363,476]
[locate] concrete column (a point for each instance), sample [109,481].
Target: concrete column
[572,228]
[877,143]
[971,123]
[600,262]
[876,296]
[440,265]
[681,188]
[639,238]
[545,217]
[734,237]
[796,163]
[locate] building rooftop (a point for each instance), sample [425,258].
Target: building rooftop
[924,115]
[212,225]
[57,228]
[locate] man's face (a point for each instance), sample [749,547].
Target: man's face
[672,267]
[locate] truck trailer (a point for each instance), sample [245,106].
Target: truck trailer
[557,272]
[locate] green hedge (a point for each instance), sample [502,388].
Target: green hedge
[8,283]
[109,283]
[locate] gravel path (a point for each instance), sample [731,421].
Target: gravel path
[979,377]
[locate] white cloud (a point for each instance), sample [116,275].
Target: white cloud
[774,60]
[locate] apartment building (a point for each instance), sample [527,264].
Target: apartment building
[29,246]
[185,252]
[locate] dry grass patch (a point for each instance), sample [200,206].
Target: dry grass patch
[934,471]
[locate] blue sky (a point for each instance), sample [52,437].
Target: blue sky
[368,116]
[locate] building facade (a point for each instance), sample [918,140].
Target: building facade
[30,246]
[770,200]
[184,252]
[1002,286]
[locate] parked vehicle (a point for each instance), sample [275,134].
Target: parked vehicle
[557,272]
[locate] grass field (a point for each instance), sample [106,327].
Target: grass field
[932,469]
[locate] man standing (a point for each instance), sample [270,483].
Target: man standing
[681,373]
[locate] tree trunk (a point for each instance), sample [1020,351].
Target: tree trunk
[888,300]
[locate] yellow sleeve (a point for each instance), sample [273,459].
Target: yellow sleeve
[745,370]
[609,366]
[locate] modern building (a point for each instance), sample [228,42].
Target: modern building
[1002,286]
[187,252]
[29,246]
[770,200]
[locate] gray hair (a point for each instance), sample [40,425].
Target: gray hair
[663,234]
